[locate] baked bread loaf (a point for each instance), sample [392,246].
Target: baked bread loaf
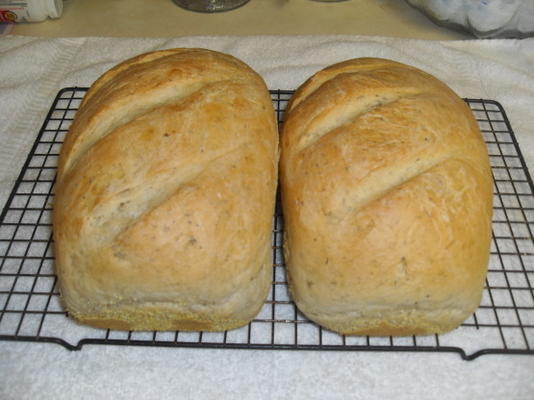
[387,201]
[165,195]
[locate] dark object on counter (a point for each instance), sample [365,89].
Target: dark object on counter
[210,6]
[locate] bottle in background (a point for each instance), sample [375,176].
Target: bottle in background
[29,10]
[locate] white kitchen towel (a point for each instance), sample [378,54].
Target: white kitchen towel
[33,70]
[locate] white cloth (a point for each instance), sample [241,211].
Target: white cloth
[32,70]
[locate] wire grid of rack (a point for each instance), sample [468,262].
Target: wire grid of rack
[30,309]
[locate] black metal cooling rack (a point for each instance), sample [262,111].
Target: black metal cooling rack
[29,300]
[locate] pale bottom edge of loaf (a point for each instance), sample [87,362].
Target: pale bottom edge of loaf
[160,319]
[175,316]
[232,312]
[394,322]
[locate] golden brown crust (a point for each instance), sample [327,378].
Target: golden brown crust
[165,195]
[387,199]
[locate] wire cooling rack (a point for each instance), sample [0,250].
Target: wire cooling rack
[30,309]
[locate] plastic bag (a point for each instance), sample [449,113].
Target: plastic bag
[483,18]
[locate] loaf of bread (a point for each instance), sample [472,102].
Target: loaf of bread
[165,195]
[387,201]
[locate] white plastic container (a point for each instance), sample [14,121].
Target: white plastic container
[29,10]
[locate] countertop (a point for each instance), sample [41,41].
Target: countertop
[285,41]
[162,18]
